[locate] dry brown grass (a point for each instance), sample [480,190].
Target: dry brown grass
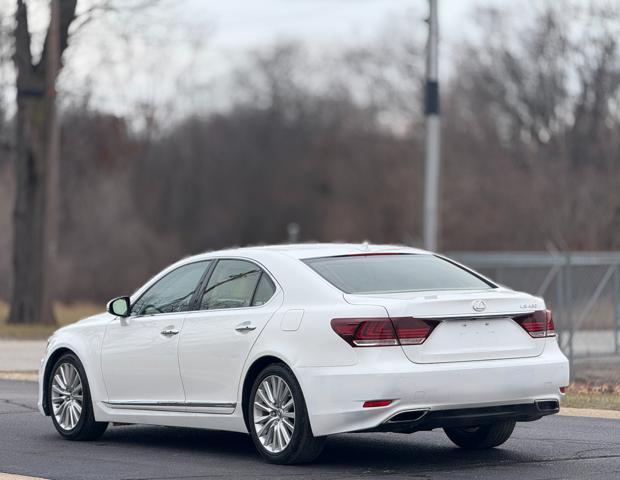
[603,397]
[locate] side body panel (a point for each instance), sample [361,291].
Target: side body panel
[139,363]
[212,352]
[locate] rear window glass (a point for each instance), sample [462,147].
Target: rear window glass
[394,273]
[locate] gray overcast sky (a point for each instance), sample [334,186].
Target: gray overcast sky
[232,27]
[222,31]
[239,24]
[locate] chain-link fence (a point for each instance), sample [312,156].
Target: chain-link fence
[582,289]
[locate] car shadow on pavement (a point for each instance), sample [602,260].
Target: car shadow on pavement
[372,451]
[184,439]
[390,451]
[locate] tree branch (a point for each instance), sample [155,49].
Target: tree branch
[22,56]
[67,15]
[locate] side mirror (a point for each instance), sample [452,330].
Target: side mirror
[119,307]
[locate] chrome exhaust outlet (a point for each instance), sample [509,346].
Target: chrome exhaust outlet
[547,406]
[408,416]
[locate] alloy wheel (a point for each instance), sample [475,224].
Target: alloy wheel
[274,414]
[67,396]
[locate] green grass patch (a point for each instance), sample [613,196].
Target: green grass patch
[65,314]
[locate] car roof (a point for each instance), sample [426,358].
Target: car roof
[314,250]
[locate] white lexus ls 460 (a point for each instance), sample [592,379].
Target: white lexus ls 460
[293,343]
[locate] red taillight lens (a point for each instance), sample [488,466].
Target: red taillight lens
[383,332]
[538,324]
[550,325]
[413,331]
[366,332]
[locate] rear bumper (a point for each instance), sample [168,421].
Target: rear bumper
[413,421]
[335,395]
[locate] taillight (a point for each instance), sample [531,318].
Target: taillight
[366,332]
[383,332]
[538,324]
[413,331]
[550,324]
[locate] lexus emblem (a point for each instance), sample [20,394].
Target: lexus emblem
[479,305]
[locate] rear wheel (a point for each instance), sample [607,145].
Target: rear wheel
[69,399]
[483,436]
[278,418]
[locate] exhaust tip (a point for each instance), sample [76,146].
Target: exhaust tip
[548,406]
[408,416]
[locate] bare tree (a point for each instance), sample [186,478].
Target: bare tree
[36,103]
[536,105]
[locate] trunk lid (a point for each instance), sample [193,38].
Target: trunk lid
[475,324]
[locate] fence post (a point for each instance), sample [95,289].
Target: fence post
[616,310]
[561,307]
[568,296]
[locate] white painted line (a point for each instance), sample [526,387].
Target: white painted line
[10,476]
[589,412]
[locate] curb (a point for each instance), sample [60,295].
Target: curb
[27,376]
[589,412]
[12,476]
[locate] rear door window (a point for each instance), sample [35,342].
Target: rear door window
[264,290]
[231,285]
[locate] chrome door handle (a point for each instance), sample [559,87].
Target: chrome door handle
[169,333]
[245,328]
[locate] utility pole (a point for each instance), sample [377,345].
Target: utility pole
[53,146]
[52,204]
[431,110]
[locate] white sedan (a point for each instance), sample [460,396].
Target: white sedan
[293,343]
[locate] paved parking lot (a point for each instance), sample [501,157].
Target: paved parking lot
[552,448]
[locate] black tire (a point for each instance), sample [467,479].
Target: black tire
[303,447]
[484,436]
[86,427]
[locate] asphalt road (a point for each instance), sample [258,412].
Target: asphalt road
[552,448]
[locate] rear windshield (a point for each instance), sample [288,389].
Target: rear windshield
[394,273]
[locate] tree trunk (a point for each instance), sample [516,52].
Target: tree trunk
[31,299]
[36,103]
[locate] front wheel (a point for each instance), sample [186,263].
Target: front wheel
[70,403]
[278,418]
[484,436]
